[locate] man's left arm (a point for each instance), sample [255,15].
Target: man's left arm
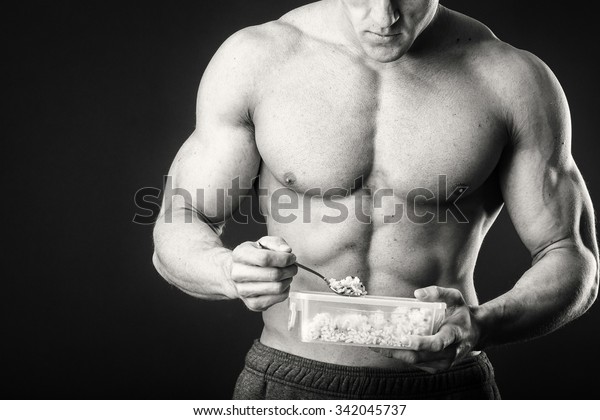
[551,209]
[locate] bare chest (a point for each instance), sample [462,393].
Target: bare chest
[330,128]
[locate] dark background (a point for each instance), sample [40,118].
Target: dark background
[100,99]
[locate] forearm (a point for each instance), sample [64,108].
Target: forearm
[190,255]
[558,288]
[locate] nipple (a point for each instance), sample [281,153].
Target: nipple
[289,178]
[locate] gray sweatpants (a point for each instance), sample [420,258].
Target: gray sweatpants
[271,374]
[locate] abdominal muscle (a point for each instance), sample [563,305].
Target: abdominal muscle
[390,259]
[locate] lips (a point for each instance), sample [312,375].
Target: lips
[382,37]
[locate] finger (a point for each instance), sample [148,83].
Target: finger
[435,367]
[249,253]
[426,369]
[416,357]
[462,351]
[243,273]
[262,303]
[452,297]
[383,351]
[412,357]
[254,289]
[445,337]
[274,243]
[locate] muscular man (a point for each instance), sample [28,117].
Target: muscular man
[336,101]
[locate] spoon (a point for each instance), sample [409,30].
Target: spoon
[310,270]
[350,286]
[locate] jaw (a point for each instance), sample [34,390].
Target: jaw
[386,55]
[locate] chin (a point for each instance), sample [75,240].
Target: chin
[389,51]
[385,54]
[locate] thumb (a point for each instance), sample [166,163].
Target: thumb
[452,297]
[274,243]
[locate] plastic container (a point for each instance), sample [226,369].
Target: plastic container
[373,321]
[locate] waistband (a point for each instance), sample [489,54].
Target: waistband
[342,380]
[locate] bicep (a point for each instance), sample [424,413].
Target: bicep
[213,170]
[543,190]
[547,201]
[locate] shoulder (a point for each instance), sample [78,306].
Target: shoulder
[485,54]
[270,42]
[528,92]
[245,59]
[520,81]
[277,41]
[257,45]
[245,62]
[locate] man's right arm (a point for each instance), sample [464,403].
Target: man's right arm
[188,251]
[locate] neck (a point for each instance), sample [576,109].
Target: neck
[429,36]
[342,26]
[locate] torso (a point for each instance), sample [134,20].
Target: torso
[329,126]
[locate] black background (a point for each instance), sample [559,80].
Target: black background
[100,97]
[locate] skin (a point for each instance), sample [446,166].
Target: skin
[317,100]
